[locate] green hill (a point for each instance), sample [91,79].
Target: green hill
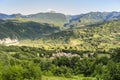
[93,37]
[24,29]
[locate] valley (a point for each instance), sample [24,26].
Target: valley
[54,46]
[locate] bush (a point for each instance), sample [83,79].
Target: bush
[63,71]
[29,71]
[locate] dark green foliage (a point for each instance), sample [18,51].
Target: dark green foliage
[85,67]
[63,71]
[115,55]
[113,71]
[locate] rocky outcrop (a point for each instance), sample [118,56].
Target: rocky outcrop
[8,41]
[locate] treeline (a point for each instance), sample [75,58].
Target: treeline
[29,63]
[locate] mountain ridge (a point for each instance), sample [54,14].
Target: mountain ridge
[57,19]
[61,19]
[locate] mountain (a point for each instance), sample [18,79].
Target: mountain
[92,18]
[24,30]
[52,18]
[4,16]
[70,21]
[57,19]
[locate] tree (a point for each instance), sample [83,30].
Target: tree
[113,71]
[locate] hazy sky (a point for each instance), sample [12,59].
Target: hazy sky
[62,6]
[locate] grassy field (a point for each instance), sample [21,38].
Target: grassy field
[63,78]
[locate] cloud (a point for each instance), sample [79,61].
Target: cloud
[51,10]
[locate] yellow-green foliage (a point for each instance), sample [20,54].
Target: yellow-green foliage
[63,78]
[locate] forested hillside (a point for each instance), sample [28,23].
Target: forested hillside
[93,37]
[92,18]
[99,36]
[16,29]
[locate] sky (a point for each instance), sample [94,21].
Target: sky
[72,7]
